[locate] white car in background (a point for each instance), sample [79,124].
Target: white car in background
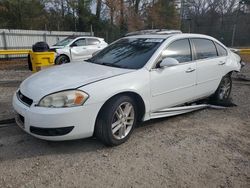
[136,78]
[75,48]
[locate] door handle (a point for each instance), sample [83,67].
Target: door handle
[190,70]
[222,63]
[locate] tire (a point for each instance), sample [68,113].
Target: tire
[222,94]
[113,125]
[62,59]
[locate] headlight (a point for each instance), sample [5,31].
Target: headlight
[64,99]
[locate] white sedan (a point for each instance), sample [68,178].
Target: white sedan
[136,78]
[75,48]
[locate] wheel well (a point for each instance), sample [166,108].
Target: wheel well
[138,100]
[229,74]
[62,55]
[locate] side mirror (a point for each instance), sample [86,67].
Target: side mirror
[168,62]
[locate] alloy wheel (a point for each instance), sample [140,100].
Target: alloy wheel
[123,120]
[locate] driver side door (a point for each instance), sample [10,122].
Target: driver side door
[174,85]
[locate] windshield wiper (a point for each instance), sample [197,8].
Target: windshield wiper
[112,65]
[106,64]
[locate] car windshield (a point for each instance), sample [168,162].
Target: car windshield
[130,53]
[65,41]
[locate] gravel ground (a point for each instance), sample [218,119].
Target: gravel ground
[207,148]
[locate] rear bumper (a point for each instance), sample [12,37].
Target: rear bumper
[242,64]
[56,123]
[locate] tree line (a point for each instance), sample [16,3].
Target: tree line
[227,20]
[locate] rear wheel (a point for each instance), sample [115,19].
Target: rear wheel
[116,121]
[62,59]
[223,92]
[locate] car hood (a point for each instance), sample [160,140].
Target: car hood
[56,47]
[68,76]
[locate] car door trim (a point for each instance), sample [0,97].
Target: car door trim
[173,90]
[208,80]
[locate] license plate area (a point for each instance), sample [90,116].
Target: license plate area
[19,120]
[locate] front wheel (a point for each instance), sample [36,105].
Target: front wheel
[62,59]
[116,121]
[223,92]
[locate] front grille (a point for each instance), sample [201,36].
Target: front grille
[25,100]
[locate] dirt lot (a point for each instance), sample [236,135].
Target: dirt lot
[207,148]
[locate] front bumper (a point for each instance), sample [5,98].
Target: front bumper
[80,119]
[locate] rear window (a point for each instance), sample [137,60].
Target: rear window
[204,48]
[221,50]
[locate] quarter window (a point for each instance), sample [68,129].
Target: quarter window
[204,48]
[221,50]
[180,50]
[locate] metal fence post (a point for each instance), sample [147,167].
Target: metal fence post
[5,45]
[44,37]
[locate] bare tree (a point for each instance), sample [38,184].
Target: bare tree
[98,9]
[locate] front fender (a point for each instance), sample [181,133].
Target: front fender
[63,51]
[134,82]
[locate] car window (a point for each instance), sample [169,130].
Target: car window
[131,53]
[180,50]
[204,48]
[221,50]
[93,41]
[80,42]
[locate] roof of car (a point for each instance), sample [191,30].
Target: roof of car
[82,36]
[165,36]
[154,31]
[150,36]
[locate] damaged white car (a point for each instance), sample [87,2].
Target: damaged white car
[75,48]
[136,78]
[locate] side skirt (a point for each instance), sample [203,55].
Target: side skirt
[167,112]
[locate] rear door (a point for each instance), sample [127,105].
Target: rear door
[223,56]
[171,86]
[208,64]
[93,45]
